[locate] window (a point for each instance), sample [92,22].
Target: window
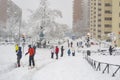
[94,3]
[99,9]
[99,20]
[108,11]
[99,30]
[99,4]
[108,4]
[108,18]
[99,14]
[94,16]
[108,26]
[99,25]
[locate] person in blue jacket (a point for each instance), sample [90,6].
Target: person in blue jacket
[19,56]
[69,52]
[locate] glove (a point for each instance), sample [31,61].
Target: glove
[26,54]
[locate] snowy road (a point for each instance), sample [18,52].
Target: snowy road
[65,68]
[69,68]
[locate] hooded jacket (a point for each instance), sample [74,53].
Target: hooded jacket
[19,53]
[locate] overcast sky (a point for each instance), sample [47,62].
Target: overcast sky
[65,6]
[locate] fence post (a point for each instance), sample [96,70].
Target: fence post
[98,67]
[115,71]
[107,67]
[95,64]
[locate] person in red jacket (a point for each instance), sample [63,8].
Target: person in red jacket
[56,51]
[31,52]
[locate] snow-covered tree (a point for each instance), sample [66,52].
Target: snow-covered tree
[44,18]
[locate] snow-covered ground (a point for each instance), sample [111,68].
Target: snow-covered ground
[65,68]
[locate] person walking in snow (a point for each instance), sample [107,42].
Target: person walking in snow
[68,43]
[110,50]
[73,51]
[52,52]
[31,52]
[34,49]
[71,44]
[77,44]
[62,51]
[19,56]
[56,51]
[69,52]
[16,48]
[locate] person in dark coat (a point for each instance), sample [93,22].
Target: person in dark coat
[56,51]
[71,44]
[69,52]
[62,51]
[77,44]
[19,56]
[34,49]
[110,50]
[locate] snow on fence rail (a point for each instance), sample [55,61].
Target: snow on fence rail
[102,66]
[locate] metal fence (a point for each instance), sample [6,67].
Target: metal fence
[104,67]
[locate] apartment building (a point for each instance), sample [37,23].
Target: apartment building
[105,20]
[3,13]
[9,11]
[116,20]
[80,17]
[77,14]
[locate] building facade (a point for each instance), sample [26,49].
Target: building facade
[10,14]
[105,20]
[77,13]
[3,12]
[80,17]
